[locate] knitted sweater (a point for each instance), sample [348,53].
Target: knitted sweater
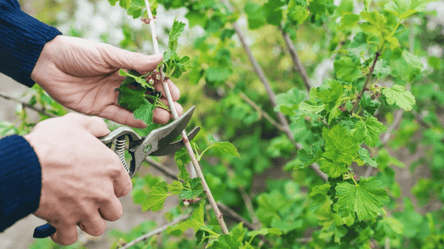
[21,41]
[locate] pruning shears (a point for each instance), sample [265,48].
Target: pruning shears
[159,142]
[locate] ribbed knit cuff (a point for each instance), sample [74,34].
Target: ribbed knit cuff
[20,180]
[22,38]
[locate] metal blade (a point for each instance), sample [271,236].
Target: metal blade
[159,138]
[175,146]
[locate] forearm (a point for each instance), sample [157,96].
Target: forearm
[20,180]
[22,38]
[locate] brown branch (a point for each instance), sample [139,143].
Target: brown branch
[369,77]
[296,61]
[26,105]
[230,212]
[156,231]
[185,139]
[270,93]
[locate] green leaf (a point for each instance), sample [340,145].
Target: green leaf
[332,169]
[307,157]
[175,187]
[330,91]
[256,15]
[217,74]
[340,146]
[197,218]
[364,199]
[399,96]
[156,197]
[287,102]
[382,68]
[175,32]
[375,24]
[223,148]
[347,70]
[349,20]
[183,173]
[226,241]
[369,131]
[145,113]
[131,99]
[192,189]
[369,105]
[364,155]
[273,11]
[265,231]
[311,109]
[181,157]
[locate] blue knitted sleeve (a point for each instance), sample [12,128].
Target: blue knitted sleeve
[20,180]
[22,38]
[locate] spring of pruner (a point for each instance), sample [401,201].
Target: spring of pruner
[119,149]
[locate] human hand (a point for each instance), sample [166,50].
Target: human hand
[81,177]
[82,75]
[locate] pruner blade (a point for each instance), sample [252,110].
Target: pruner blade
[159,142]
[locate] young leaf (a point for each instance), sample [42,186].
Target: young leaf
[156,197]
[175,32]
[265,231]
[347,70]
[176,187]
[340,146]
[369,131]
[364,199]
[397,94]
[364,155]
[368,104]
[192,189]
[222,148]
[131,99]
[145,112]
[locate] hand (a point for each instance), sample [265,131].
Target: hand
[82,75]
[81,177]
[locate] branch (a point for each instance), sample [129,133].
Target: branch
[257,108]
[190,151]
[156,231]
[296,61]
[271,94]
[25,104]
[369,77]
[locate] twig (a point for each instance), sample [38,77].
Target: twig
[249,206]
[296,61]
[271,94]
[156,231]
[27,105]
[257,108]
[369,77]
[190,151]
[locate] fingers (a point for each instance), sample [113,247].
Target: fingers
[175,92]
[120,58]
[94,226]
[121,116]
[111,210]
[65,235]
[161,116]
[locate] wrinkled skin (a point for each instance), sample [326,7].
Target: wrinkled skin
[82,179]
[82,75]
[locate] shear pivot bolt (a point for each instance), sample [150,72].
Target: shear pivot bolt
[147,148]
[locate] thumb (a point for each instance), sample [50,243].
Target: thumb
[120,58]
[94,125]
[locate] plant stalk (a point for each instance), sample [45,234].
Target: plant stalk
[190,151]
